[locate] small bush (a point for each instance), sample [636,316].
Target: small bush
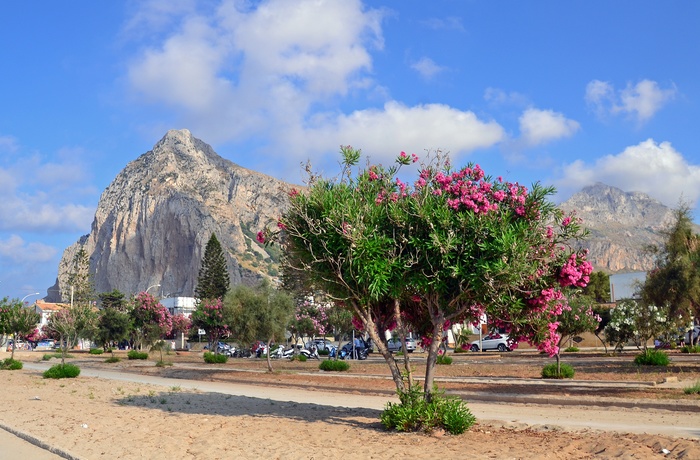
[62,371]
[135,354]
[334,365]
[324,352]
[96,351]
[415,413]
[462,349]
[444,359]
[11,365]
[550,371]
[163,364]
[690,349]
[571,350]
[694,390]
[652,358]
[113,359]
[302,358]
[213,358]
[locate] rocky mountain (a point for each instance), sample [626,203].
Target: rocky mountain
[621,225]
[154,220]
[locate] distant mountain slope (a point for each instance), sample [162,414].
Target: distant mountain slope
[154,220]
[621,225]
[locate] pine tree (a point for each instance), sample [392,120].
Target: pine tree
[213,279]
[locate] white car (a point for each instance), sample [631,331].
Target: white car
[494,341]
[394,344]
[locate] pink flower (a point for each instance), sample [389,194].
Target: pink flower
[261,237]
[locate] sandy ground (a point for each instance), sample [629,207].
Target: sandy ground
[238,411]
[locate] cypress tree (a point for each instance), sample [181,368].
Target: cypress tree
[213,279]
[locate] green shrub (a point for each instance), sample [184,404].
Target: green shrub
[550,371]
[62,371]
[694,390]
[444,359]
[651,358]
[690,349]
[334,365]
[113,359]
[163,364]
[213,358]
[11,365]
[415,413]
[302,358]
[96,351]
[462,349]
[135,354]
[571,350]
[324,352]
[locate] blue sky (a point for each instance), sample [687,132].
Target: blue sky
[566,93]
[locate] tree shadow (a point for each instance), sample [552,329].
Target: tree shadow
[212,404]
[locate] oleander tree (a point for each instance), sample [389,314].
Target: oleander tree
[151,320]
[451,246]
[574,317]
[209,315]
[16,320]
[78,321]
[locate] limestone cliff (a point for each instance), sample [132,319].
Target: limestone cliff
[153,221]
[621,225]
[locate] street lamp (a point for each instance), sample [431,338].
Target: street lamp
[155,285]
[28,295]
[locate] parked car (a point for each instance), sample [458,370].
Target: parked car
[394,344]
[321,344]
[47,344]
[689,338]
[493,341]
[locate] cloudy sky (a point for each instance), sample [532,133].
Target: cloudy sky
[566,93]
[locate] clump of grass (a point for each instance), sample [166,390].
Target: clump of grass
[10,364]
[571,350]
[690,349]
[213,358]
[693,390]
[444,359]
[62,371]
[333,365]
[135,354]
[652,358]
[96,351]
[113,359]
[565,371]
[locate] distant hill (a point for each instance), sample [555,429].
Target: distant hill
[154,220]
[621,225]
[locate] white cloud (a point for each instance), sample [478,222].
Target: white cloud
[15,250]
[499,97]
[656,169]
[42,197]
[426,67]
[540,126]
[268,72]
[640,101]
[8,144]
[383,133]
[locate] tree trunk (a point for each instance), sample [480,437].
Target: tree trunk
[402,334]
[438,323]
[371,329]
[558,365]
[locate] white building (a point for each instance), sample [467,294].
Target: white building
[179,305]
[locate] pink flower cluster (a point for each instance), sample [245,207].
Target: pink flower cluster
[467,189]
[550,344]
[575,272]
